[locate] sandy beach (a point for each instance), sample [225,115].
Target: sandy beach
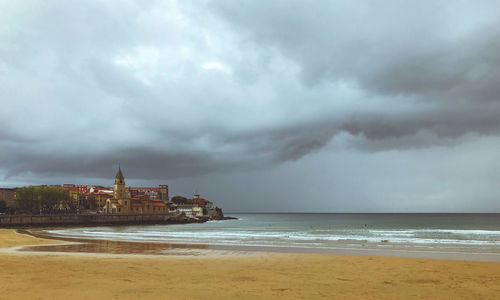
[260,276]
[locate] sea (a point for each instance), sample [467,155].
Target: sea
[453,236]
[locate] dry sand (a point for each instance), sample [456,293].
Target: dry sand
[262,276]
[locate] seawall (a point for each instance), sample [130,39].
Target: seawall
[21,221]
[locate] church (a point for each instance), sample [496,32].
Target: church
[123,203]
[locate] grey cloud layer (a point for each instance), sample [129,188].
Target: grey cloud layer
[182,89]
[441,59]
[390,47]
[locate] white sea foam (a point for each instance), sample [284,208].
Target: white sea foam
[452,231]
[321,231]
[249,237]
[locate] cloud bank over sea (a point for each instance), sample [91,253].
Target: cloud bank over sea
[277,105]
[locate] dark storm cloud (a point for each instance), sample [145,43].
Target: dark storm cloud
[442,126]
[177,89]
[140,163]
[441,59]
[389,47]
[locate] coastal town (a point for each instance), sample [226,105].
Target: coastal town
[103,200]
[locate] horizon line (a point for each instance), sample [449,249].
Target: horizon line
[298,212]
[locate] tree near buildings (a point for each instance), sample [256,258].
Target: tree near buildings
[26,200]
[3,206]
[42,199]
[179,200]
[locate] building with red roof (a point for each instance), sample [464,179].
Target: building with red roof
[133,201]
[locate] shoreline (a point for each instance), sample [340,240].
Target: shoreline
[89,245]
[262,276]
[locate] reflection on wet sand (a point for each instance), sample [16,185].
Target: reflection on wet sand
[126,247]
[119,247]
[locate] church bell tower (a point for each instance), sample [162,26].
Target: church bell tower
[119,187]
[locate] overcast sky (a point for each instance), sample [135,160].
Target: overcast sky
[318,106]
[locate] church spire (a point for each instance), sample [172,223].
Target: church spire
[119,176]
[119,187]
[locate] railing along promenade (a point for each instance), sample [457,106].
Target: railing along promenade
[7,221]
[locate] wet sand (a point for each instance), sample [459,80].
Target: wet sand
[48,275]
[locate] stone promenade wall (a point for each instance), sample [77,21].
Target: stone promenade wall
[7,221]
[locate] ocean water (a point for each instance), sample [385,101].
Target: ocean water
[463,232]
